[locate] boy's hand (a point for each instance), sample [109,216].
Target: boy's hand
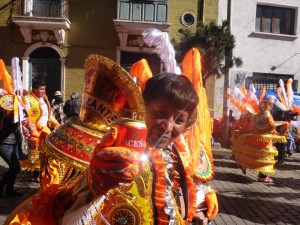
[111,167]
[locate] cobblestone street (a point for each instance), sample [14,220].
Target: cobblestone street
[242,200]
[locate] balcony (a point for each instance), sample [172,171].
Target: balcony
[134,17]
[42,20]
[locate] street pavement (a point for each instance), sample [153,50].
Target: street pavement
[242,200]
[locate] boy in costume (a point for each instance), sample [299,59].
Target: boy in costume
[118,187]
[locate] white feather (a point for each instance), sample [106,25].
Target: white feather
[238,94]
[251,93]
[18,86]
[291,93]
[276,102]
[159,39]
[17,75]
[252,89]
[283,92]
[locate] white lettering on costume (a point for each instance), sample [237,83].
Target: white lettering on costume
[135,143]
[103,108]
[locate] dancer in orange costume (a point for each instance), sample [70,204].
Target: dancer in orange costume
[252,143]
[114,189]
[41,120]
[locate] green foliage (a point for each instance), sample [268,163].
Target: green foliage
[215,44]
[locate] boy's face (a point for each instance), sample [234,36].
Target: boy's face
[40,91]
[164,123]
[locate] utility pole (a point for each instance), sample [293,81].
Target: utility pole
[225,143]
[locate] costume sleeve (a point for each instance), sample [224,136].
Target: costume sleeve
[111,167]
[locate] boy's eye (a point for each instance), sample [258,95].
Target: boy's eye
[179,121]
[160,114]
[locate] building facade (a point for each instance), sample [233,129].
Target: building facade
[267,40]
[52,38]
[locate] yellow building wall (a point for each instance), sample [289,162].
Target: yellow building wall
[210,14]
[176,9]
[92,32]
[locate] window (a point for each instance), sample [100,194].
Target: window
[277,20]
[149,11]
[269,80]
[188,19]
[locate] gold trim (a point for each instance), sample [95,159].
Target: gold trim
[97,65]
[95,133]
[133,123]
[52,151]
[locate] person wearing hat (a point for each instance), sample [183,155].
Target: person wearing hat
[57,109]
[56,94]
[72,106]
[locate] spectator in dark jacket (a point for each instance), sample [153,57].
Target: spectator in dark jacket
[9,153]
[57,109]
[72,106]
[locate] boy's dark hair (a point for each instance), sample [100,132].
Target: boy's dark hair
[176,89]
[36,83]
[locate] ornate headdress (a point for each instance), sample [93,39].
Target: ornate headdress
[110,95]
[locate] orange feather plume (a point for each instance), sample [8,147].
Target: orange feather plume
[289,90]
[243,90]
[251,103]
[239,105]
[262,94]
[6,78]
[141,70]
[201,131]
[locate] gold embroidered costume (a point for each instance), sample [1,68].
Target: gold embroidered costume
[78,197]
[38,131]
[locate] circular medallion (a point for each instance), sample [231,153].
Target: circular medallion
[125,214]
[7,102]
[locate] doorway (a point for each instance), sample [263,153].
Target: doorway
[44,64]
[129,58]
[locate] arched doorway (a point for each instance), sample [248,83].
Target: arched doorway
[45,64]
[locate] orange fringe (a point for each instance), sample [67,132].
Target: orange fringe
[160,185]
[187,162]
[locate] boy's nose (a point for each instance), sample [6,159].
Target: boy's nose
[167,124]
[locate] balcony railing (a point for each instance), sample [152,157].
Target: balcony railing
[35,8]
[46,8]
